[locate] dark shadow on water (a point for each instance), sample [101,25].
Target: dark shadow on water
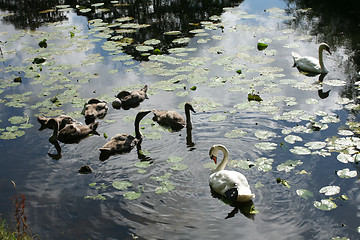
[245,208]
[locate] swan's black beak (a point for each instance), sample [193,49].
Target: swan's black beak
[214,158]
[328,50]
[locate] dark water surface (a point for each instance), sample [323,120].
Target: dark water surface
[81,64]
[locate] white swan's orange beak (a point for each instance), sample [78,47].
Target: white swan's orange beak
[214,158]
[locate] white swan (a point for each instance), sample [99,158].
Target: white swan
[311,64]
[230,184]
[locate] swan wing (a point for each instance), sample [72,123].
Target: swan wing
[309,64]
[224,180]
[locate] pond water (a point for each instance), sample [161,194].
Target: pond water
[296,137]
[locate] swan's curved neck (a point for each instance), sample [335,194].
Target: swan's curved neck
[321,61]
[137,128]
[225,159]
[187,116]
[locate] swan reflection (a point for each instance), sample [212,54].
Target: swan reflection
[245,208]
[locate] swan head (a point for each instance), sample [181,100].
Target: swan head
[189,107]
[214,151]
[325,47]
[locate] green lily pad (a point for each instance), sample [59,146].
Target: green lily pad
[174,159]
[161,178]
[97,197]
[236,133]
[132,195]
[165,187]
[283,182]
[121,185]
[325,205]
[142,164]
[217,117]
[292,139]
[266,146]
[346,173]
[18,119]
[261,46]
[304,193]
[289,165]
[264,164]
[179,167]
[315,145]
[300,150]
[330,190]
[262,134]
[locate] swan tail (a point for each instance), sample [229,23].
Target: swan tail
[245,197]
[296,57]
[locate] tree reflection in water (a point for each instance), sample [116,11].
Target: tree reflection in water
[162,16]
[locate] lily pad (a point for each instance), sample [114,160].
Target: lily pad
[261,46]
[325,205]
[289,165]
[292,139]
[174,159]
[217,117]
[262,134]
[346,173]
[300,150]
[179,167]
[121,185]
[236,133]
[132,195]
[165,187]
[142,164]
[161,178]
[330,190]
[304,193]
[266,146]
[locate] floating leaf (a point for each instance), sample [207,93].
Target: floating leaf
[325,205]
[304,193]
[283,182]
[330,190]
[292,139]
[132,195]
[264,164]
[142,164]
[39,60]
[346,173]
[315,145]
[165,187]
[43,43]
[174,159]
[161,178]
[266,146]
[258,185]
[218,117]
[236,133]
[121,185]
[289,165]
[18,119]
[97,197]
[262,134]
[179,167]
[300,150]
[261,46]
[254,97]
